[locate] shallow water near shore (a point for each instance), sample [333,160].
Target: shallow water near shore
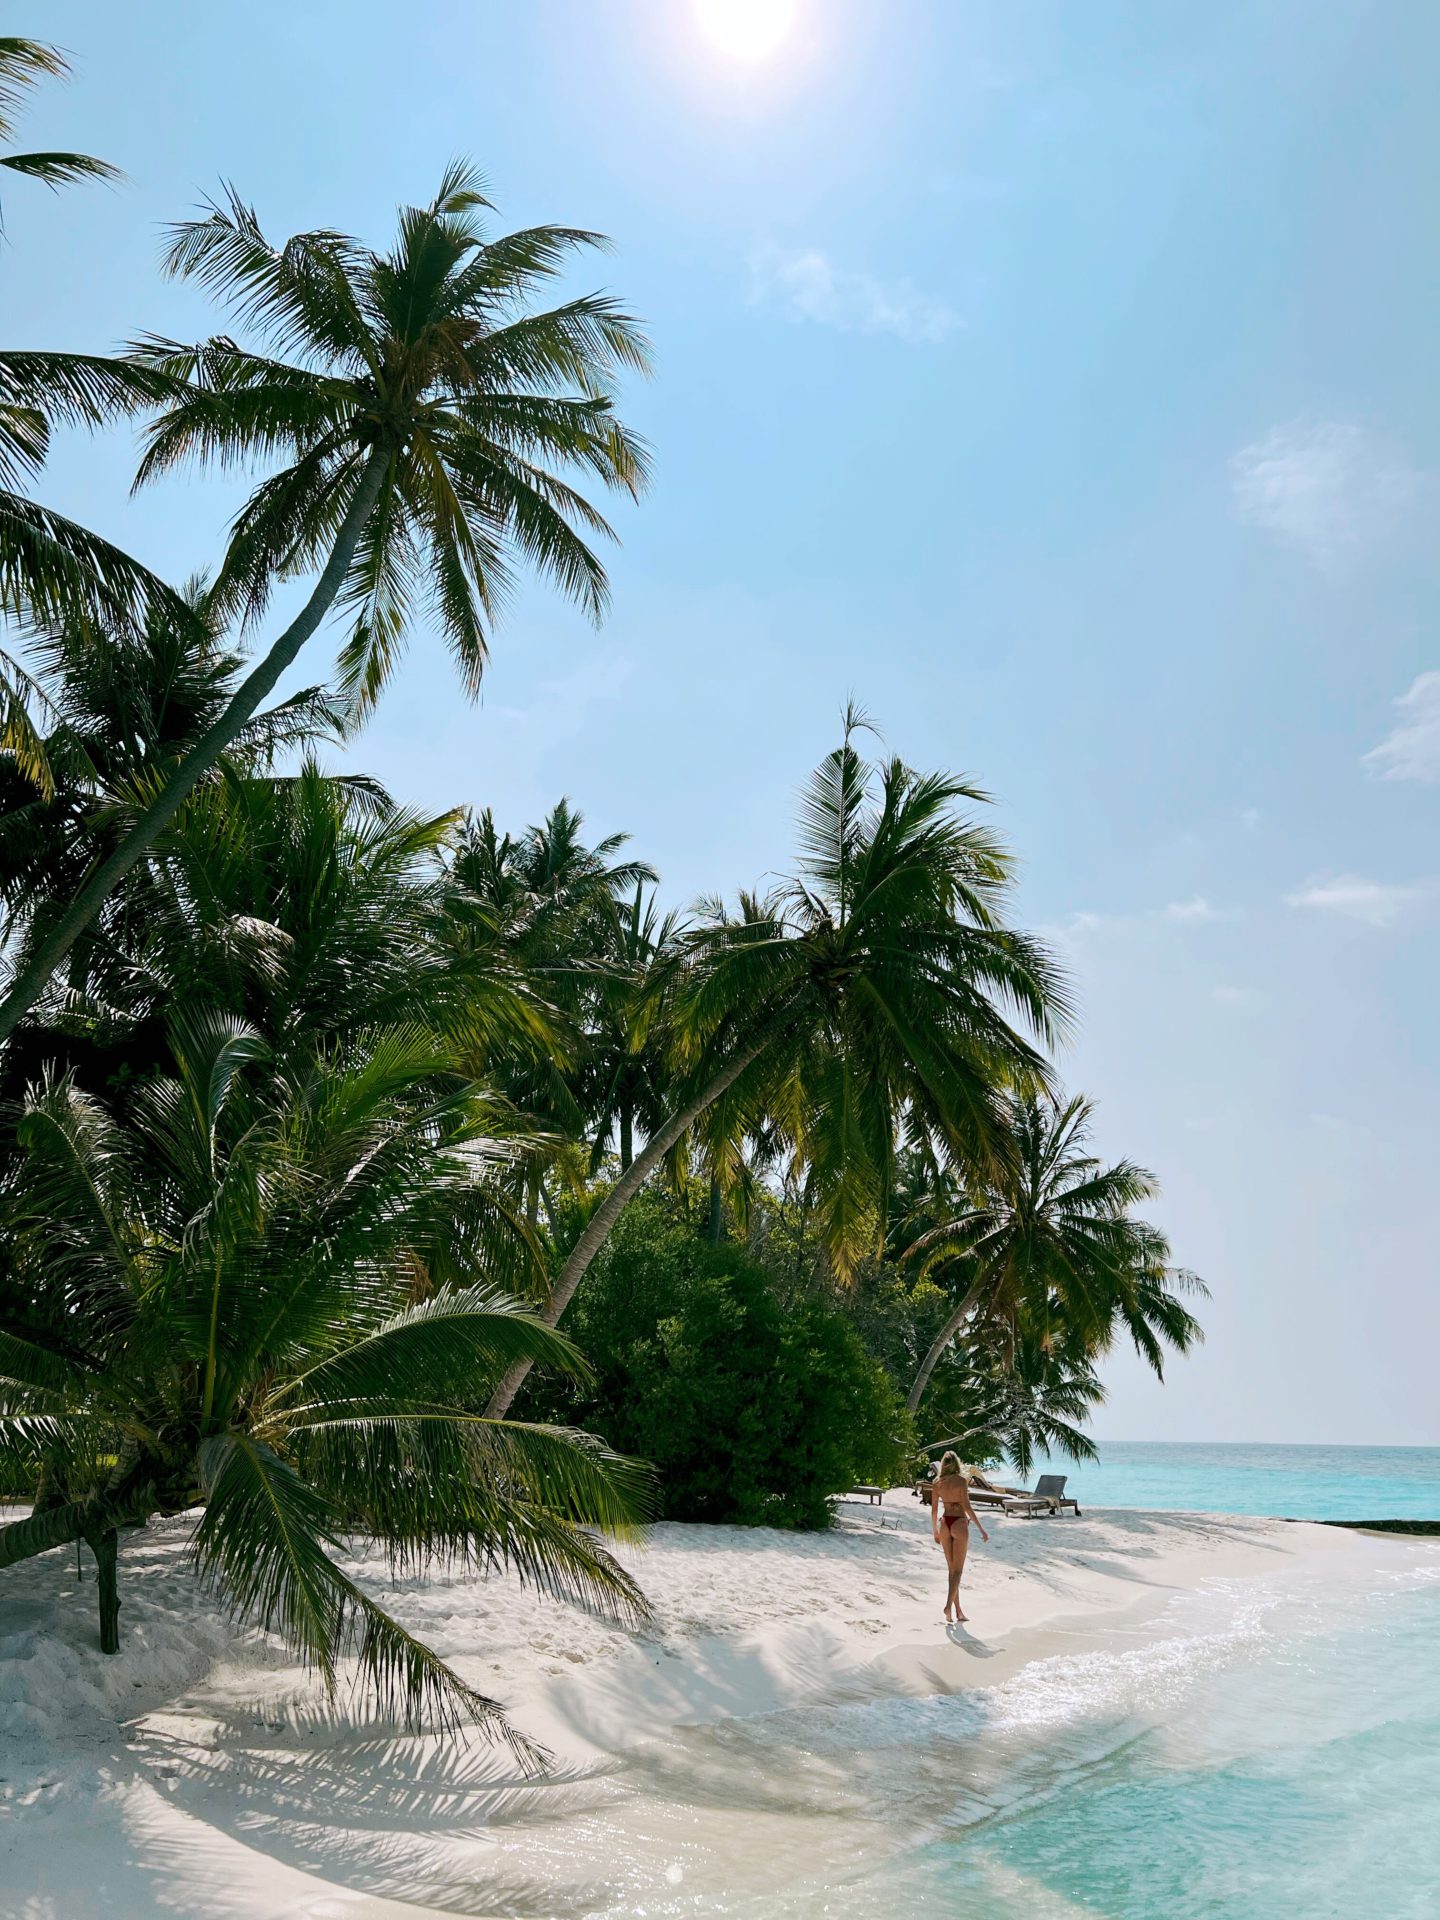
[1266,1749]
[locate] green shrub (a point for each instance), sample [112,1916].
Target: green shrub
[752,1412]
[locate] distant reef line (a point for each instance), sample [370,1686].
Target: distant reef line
[1386,1526]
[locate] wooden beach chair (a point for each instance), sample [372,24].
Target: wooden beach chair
[1049,1497]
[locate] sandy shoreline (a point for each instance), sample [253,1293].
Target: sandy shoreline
[198,1774]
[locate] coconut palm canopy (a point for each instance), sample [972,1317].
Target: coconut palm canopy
[880,989]
[272,1296]
[417,408]
[1050,1247]
[422,416]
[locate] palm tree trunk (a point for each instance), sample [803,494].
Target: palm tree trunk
[614,1204]
[942,1340]
[627,1136]
[106,1549]
[30,983]
[549,1205]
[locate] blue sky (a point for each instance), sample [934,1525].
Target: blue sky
[1058,380]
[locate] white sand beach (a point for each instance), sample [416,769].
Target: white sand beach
[198,1773]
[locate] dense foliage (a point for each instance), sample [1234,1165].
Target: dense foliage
[754,1408]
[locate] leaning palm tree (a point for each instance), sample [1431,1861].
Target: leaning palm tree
[1021,1392]
[880,983]
[272,1296]
[1051,1236]
[424,418]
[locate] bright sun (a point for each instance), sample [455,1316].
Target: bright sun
[746,29]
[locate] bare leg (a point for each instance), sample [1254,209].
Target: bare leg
[952,1566]
[959,1546]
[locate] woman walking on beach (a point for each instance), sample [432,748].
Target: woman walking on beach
[950,1517]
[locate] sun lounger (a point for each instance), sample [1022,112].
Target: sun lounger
[1049,1497]
[877,1494]
[983,1493]
[994,1496]
[990,1498]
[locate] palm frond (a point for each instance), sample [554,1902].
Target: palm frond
[447,1346]
[53,569]
[59,169]
[267,1538]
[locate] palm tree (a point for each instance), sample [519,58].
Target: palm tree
[1051,1234]
[548,895]
[262,1293]
[880,983]
[625,1069]
[423,413]
[122,707]
[1019,1394]
[548,903]
[319,909]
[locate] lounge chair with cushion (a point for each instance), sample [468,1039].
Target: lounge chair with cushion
[1049,1497]
[989,1493]
[983,1492]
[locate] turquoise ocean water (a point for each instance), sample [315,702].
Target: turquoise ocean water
[1263,1755]
[1267,1748]
[1294,1483]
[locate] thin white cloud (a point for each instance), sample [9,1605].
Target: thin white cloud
[1242,999]
[1086,924]
[1329,489]
[1376,903]
[807,285]
[1196,909]
[1412,750]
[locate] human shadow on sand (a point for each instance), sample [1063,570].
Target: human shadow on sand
[959,1635]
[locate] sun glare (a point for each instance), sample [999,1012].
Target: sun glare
[749,30]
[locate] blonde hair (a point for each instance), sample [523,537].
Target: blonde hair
[950,1467]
